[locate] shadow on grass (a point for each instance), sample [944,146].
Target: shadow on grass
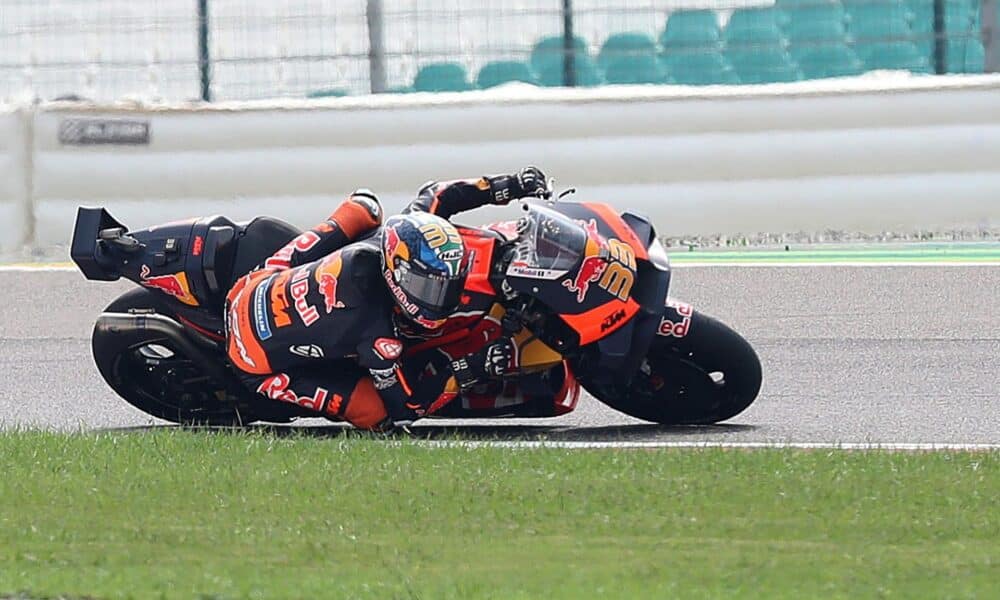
[629,433]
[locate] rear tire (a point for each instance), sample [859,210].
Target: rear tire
[710,375]
[146,370]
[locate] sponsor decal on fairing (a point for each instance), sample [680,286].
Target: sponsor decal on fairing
[522,269]
[610,263]
[670,328]
[175,285]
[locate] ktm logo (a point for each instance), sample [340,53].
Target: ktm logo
[612,319]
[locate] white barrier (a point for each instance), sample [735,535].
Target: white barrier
[863,154]
[16,219]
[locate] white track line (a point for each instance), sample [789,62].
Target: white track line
[42,268]
[585,445]
[59,268]
[811,265]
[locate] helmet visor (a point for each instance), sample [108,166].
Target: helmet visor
[432,291]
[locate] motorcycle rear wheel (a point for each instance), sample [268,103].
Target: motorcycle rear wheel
[150,373]
[710,375]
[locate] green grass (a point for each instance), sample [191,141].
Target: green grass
[188,514]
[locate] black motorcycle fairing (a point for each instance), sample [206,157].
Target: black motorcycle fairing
[193,262]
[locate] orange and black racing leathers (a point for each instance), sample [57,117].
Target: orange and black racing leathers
[313,326]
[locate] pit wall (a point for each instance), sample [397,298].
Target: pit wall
[864,154]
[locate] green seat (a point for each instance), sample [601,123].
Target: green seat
[441,77]
[634,69]
[753,26]
[829,61]
[792,17]
[698,68]
[965,56]
[504,71]
[550,73]
[816,32]
[879,22]
[686,28]
[763,64]
[329,93]
[553,48]
[400,89]
[902,56]
[625,44]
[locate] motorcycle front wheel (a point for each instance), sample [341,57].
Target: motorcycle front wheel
[708,375]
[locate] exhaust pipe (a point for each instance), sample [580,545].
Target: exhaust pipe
[126,323]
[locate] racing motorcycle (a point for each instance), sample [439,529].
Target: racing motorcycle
[578,290]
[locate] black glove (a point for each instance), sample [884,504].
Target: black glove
[497,357]
[490,362]
[530,181]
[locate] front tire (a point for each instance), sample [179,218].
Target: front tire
[708,375]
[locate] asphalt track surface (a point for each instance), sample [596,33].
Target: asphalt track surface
[859,354]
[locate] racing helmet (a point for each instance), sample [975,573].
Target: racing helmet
[424,265]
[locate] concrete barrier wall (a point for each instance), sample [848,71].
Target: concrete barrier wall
[16,218]
[862,154]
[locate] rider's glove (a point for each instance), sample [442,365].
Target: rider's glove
[498,357]
[527,182]
[492,361]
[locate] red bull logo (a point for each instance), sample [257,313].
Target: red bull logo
[327,277]
[175,285]
[328,287]
[589,272]
[591,228]
[391,243]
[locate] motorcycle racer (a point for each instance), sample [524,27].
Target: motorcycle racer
[320,302]
[314,327]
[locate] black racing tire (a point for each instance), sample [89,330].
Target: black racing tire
[710,375]
[171,388]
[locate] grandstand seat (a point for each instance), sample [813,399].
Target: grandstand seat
[686,28]
[441,77]
[552,49]
[587,74]
[808,33]
[329,93]
[634,69]
[829,61]
[753,26]
[965,56]
[400,89]
[893,55]
[763,64]
[879,22]
[504,71]
[811,11]
[625,44]
[698,68]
